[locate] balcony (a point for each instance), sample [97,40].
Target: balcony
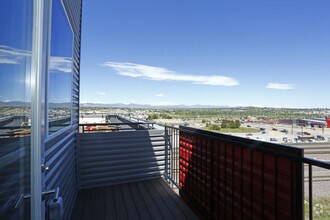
[132,174]
[148,199]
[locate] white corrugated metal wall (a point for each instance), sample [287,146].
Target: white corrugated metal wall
[119,157]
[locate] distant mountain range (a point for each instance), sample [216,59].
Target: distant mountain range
[14,104]
[115,105]
[135,106]
[147,106]
[25,104]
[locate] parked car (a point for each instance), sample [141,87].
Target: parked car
[284,131]
[320,138]
[273,139]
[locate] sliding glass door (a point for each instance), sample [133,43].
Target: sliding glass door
[16,24]
[29,114]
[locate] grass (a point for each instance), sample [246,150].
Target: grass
[236,130]
[321,208]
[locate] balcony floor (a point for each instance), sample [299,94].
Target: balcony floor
[150,199]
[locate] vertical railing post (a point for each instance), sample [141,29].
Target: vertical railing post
[170,152]
[166,153]
[310,180]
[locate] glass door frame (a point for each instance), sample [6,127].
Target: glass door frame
[39,60]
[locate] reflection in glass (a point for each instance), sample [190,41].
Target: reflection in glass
[60,70]
[15,106]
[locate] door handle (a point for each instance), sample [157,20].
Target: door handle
[18,202]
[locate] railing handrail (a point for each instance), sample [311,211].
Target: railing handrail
[138,119]
[119,123]
[117,126]
[317,163]
[14,127]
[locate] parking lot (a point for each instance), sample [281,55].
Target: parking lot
[280,133]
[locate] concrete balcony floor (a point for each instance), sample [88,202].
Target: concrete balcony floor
[149,199]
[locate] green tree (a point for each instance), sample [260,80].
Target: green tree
[237,124]
[214,127]
[152,117]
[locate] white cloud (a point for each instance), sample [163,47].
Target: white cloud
[11,55]
[163,74]
[160,95]
[61,64]
[280,86]
[101,93]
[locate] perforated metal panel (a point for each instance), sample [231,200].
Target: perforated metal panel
[227,177]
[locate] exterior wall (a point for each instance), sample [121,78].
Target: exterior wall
[60,150]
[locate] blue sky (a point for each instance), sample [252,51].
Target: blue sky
[15,49]
[15,53]
[238,53]
[61,51]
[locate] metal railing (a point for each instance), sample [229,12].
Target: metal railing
[300,169]
[172,155]
[14,131]
[112,127]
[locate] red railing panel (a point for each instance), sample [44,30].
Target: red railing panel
[226,177]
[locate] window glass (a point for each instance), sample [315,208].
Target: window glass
[60,70]
[15,106]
